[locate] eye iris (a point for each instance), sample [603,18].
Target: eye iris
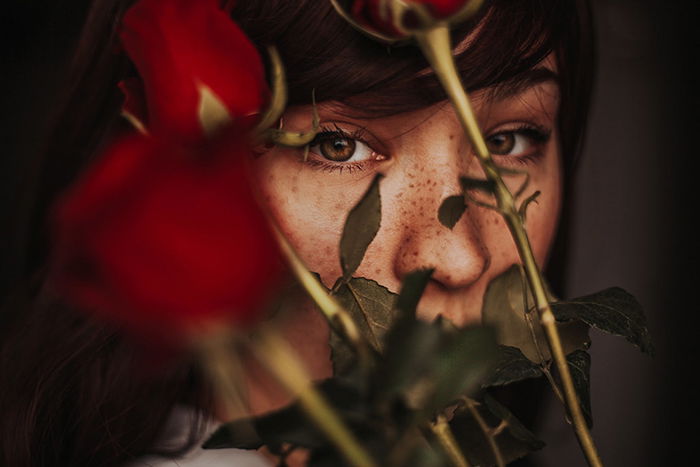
[501,144]
[338,149]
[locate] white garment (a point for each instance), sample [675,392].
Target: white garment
[177,430]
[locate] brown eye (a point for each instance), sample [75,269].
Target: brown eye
[501,144]
[337,149]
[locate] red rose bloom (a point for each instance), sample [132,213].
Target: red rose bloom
[368,13]
[180,48]
[163,234]
[166,240]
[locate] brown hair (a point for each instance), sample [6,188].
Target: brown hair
[68,395]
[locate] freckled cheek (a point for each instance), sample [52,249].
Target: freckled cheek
[541,222]
[495,236]
[310,211]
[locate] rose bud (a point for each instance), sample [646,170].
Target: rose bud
[166,240]
[192,60]
[392,20]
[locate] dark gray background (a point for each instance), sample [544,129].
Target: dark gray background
[632,219]
[633,228]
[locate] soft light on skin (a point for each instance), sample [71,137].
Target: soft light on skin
[422,155]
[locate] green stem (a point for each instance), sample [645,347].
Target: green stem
[336,315]
[435,44]
[543,364]
[441,429]
[488,432]
[223,369]
[280,359]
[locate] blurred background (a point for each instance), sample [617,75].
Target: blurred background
[633,206]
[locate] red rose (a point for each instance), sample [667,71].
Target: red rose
[377,14]
[166,240]
[186,51]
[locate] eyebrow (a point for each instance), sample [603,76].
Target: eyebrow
[522,82]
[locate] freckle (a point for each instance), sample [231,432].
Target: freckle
[295,189]
[452,137]
[413,202]
[411,185]
[378,271]
[415,253]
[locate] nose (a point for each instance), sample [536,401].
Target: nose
[459,256]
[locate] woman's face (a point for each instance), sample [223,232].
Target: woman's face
[422,155]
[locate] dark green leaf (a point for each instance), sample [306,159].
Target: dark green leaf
[474,444]
[288,425]
[238,434]
[466,359]
[483,185]
[580,367]
[371,306]
[516,428]
[361,226]
[412,290]
[505,307]
[409,350]
[342,355]
[428,367]
[512,366]
[451,210]
[426,456]
[612,310]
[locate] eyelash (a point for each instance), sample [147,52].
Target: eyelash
[538,135]
[330,132]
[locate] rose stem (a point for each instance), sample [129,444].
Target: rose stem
[488,432]
[435,44]
[336,315]
[280,360]
[222,366]
[441,429]
[543,366]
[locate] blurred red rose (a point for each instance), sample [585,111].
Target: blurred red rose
[180,48]
[368,13]
[166,239]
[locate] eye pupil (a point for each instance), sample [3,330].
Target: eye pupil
[338,149]
[501,144]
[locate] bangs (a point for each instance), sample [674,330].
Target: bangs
[324,54]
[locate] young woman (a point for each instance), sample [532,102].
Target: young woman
[69,394]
